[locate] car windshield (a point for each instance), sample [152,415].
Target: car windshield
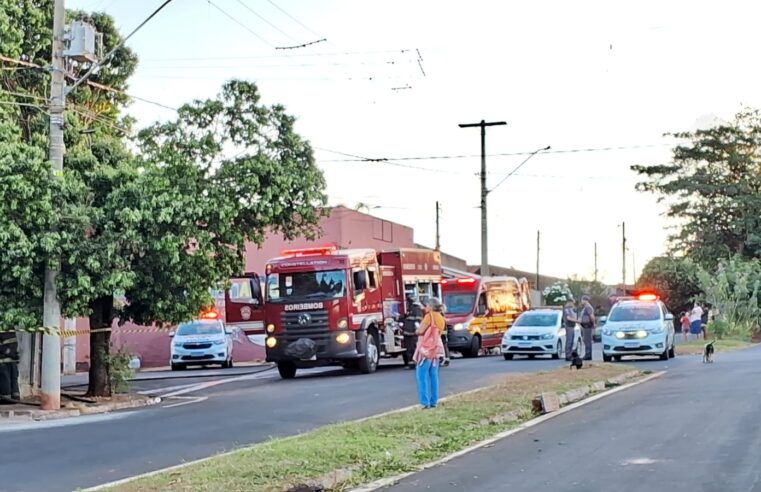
[200,328]
[635,312]
[330,284]
[459,303]
[537,319]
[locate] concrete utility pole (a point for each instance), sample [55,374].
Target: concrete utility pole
[623,257]
[438,235]
[484,230]
[595,262]
[537,261]
[51,309]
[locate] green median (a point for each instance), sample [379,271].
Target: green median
[695,347]
[339,456]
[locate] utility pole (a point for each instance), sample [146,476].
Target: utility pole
[595,262]
[623,257]
[438,236]
[538,235]
[634,270]
[51,309]
[484,230]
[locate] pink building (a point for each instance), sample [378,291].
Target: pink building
[344,228]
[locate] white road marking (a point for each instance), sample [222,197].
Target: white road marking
[639,461]
[187,400]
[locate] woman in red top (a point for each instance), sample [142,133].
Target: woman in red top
[685,321]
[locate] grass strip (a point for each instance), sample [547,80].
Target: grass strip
[352,453]
[695,347]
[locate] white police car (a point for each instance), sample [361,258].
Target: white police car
[202,341]
[638,326]
[538,332]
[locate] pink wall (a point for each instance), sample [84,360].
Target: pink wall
[344,228]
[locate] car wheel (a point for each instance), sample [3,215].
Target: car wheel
[672,351]
[665,354]
[369,363]
[558,351]
[475,347]
[286,369]
[508,356]
[617,358]
[606,358]
[179,367]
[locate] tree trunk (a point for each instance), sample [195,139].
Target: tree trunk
[100,346]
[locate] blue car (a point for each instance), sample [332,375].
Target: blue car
[640,326]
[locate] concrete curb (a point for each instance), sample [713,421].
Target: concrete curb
[75,410]
[385,482]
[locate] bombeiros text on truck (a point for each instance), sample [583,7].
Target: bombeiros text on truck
[326,306]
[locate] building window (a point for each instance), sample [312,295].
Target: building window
[383,230]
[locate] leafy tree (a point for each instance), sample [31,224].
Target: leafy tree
[674,279]
[733,290]
[713,189]
[596,290]
[160,227]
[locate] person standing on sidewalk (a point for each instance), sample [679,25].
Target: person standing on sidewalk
[569,323]
[587,318]
[9,389]
[412,318]
[696,315]
[429,351]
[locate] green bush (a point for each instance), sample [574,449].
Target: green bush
[121,372]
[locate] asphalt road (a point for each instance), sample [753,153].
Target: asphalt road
[202,416]
[694,429]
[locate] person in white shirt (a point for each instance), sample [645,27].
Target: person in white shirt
[696,316]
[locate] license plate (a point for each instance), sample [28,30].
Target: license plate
[524,344]
[197,354]
[631,344]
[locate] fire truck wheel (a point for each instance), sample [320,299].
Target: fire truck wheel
[475,347]
[369,363]
[287,370]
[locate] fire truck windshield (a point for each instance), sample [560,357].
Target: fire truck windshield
[285,287]
[459,303]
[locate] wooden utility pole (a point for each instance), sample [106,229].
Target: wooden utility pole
[484,230]
[623,258]
[538,236]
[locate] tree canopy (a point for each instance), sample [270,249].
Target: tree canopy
[712,188]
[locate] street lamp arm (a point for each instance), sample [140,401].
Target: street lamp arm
[519,166]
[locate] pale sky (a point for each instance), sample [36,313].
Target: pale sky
[573,75]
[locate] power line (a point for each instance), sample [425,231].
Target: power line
[512,154]
[295,55]
[240,23]
[108,55]
[293,18]
[383,161]
[268,22]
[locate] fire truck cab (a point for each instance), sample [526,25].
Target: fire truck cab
[480,310]
[326,306]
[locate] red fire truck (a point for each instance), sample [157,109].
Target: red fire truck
[326,306]
[480,310]
[244,306]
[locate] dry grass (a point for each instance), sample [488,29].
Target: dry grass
[348,454]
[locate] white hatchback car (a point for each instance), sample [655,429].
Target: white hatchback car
[638,326]
[538,332]
[200,342]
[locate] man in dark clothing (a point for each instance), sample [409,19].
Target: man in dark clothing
[8,367]
[412,318]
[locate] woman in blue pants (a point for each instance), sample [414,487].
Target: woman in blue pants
[429,351]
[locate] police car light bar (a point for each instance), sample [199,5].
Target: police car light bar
[647,297]
[210,315]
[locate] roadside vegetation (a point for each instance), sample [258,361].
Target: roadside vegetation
[695,347]
[353,453]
